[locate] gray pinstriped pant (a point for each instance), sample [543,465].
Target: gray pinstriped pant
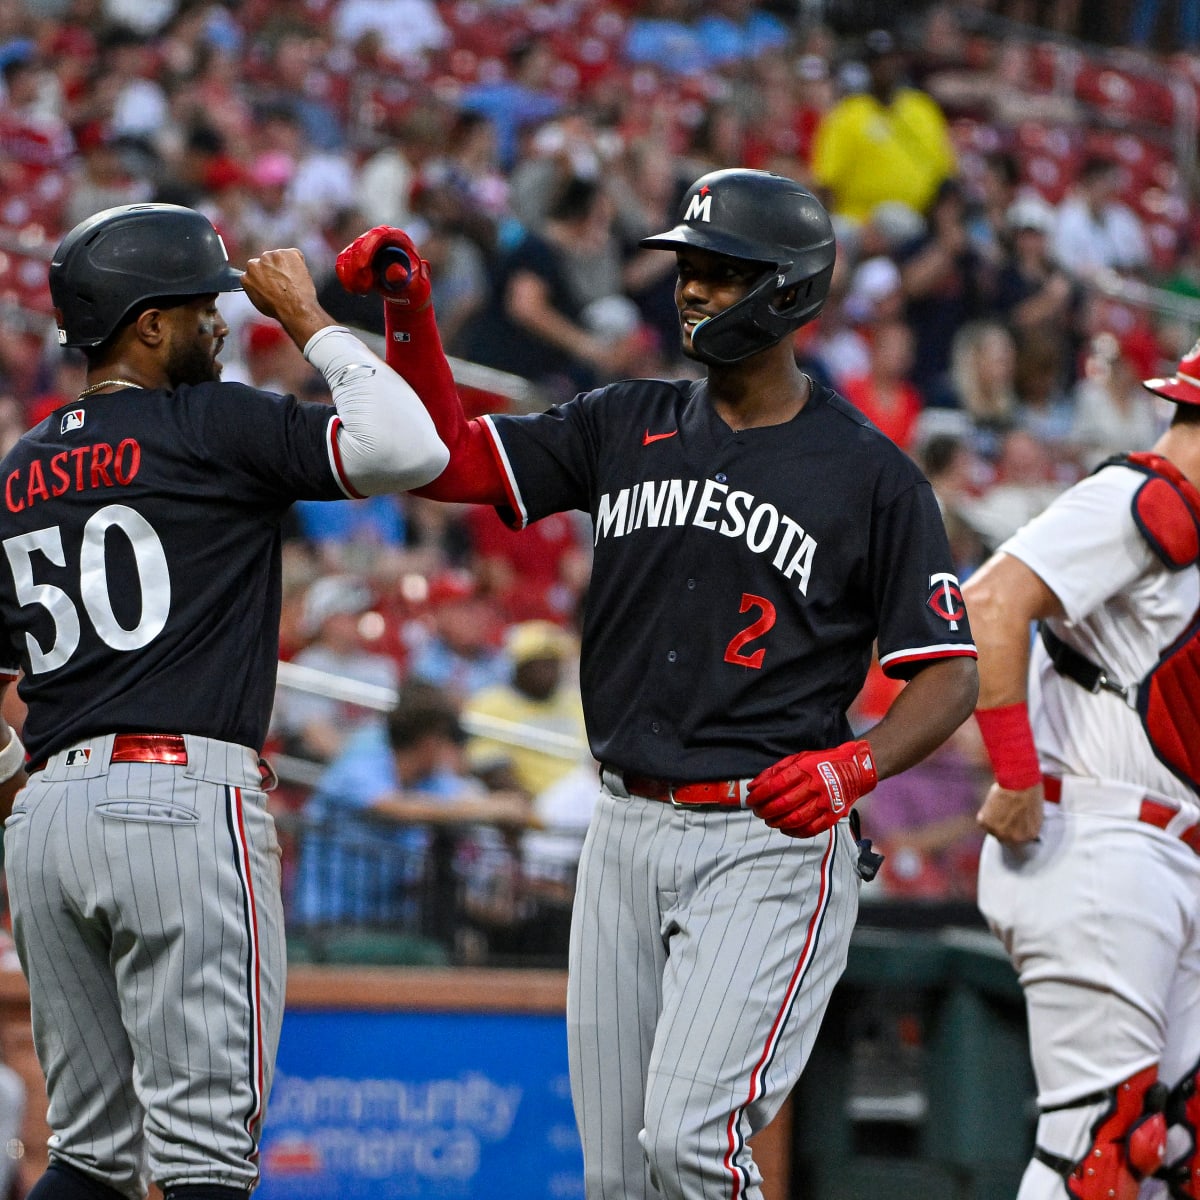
[704,949]
[148,918]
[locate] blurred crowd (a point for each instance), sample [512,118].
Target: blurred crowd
[998,234]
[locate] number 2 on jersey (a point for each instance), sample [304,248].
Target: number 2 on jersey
[734,652]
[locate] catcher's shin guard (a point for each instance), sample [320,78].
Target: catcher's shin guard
[1128,1140]
[1183,1110]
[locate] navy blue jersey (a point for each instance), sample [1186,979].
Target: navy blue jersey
[740,578]
[140,582]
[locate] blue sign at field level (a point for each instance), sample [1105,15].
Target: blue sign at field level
[420,1106]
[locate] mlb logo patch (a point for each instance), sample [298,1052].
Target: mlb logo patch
[79,757]
[72,419]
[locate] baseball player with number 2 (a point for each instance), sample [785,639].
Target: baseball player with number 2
[1091,873]
[754,535]
[140,593]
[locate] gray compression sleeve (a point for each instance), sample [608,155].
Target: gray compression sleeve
[387,440]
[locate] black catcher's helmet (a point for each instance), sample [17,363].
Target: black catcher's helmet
[118,258]
[761,218]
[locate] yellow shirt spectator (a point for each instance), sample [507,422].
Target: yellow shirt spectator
[539,701]
[866,152]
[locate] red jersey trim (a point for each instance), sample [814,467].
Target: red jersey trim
[335,460]
[930,653]
[516,505]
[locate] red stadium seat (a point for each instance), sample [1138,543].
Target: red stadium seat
[1124,96]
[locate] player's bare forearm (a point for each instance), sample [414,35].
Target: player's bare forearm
[1003,598]
[933,704]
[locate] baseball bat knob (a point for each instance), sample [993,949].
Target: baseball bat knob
[393,268]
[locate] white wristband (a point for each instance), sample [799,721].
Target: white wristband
[12,758]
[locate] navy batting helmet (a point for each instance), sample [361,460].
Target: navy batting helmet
[761,218]
[121,257]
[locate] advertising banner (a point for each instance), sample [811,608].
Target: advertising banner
[407,1105]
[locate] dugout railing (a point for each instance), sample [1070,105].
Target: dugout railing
[370,891]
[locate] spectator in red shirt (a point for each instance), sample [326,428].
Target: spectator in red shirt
[537,573]
[884,393]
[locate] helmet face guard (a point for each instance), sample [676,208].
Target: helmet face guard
[762,218]
[123,257]
[756,322]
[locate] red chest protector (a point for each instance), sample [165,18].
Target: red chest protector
[1166,509]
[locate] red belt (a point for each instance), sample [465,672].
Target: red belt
[1151,811]
[721,793]
[140,747]
[149,747]
[161,748]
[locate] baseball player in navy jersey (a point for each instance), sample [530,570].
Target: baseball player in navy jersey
[754,534]
[139,603]
[1091,873]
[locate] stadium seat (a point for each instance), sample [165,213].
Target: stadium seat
[1123,96]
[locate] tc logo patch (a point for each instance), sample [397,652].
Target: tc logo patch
[945,599]
[79,757]
[71,419]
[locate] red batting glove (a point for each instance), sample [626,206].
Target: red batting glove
[401,278]
[805,794]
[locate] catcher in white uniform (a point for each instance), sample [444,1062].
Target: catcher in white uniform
[1091,875]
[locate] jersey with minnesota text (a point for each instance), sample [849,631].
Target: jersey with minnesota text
[739,578]
[140,578]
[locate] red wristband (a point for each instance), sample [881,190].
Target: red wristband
[1009,741]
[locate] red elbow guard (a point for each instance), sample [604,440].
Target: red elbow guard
[414,351]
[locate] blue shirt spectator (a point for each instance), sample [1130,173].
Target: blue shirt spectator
[736,31]
[376,520]
[518,101]
[356,866]
[664,37]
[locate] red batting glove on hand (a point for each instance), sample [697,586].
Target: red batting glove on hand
[385,260]
[805,794]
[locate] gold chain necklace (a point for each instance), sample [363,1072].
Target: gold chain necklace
[90,391]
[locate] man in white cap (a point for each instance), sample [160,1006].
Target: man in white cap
[1091,873]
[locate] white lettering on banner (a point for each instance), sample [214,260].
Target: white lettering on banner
[473,1101]
[385,1153]
[387,1128]
[668,503]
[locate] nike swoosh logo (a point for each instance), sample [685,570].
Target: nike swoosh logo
[657,437]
